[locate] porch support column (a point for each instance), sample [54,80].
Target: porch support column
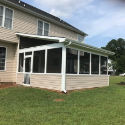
[63,86]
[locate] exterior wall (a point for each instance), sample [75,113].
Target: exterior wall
[62,32]
[27,23]
[9,75]
[46,81]
[86,81]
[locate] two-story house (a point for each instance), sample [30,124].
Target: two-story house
[40,50]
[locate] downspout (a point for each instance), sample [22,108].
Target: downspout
[63,87]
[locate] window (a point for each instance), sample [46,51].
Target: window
[1,15]
[2,58]
[21,62]
[46,29]
[71,61]
[81,38]
[84,63]
[39,61]
[6,17]
[43,28]
[54,60]
[103,65]
[95,64]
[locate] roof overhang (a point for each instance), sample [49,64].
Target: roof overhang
[57,39]
[90,48]
[68,43]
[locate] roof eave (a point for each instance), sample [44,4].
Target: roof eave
[89,47]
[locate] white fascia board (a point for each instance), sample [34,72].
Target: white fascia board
[59,39]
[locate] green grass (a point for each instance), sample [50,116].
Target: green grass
[29,106]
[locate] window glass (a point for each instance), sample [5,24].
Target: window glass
[84,63]
[1,15]
[40,28]
[21,62]
[80,38]
[95,64]
[39,61]
[54,60]
[2,58]
[46,29]
[71,61]
[43,28]
[103,65]
[8,18]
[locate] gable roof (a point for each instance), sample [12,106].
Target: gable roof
[32,9]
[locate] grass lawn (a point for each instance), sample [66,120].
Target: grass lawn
[29,106]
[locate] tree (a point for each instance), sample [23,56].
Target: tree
[118,47]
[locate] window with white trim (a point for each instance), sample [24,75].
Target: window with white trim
[84,62]
[43,28]
[6,17]
[80,38]
[2,58]
[1,15]
[95,64]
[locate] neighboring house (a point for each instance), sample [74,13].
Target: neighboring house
[40,50]
[111,71]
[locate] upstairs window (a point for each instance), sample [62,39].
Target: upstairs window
[43,28]
[1,15]
[6,17]
[2,58]
[80,38]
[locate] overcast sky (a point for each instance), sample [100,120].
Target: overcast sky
[102,20]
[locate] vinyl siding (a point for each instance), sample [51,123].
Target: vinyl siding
[27,23]
[47,81]
[62,32]
[9,75]
[86,81]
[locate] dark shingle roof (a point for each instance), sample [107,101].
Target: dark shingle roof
[45,14]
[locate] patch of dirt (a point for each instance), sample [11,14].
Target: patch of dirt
[121,83]
[58,100]
[7,85]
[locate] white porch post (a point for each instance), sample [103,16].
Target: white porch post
[63,86]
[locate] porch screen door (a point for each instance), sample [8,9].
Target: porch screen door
[27,70]
[28,64]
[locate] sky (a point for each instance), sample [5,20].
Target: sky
[102,20]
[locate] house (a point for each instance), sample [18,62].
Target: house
[40,50]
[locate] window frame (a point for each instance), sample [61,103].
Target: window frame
[3,20]
[78,35]
[39,48]
[43,26]
[90,73]
[5,59]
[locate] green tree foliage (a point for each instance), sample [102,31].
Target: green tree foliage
[117,46]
